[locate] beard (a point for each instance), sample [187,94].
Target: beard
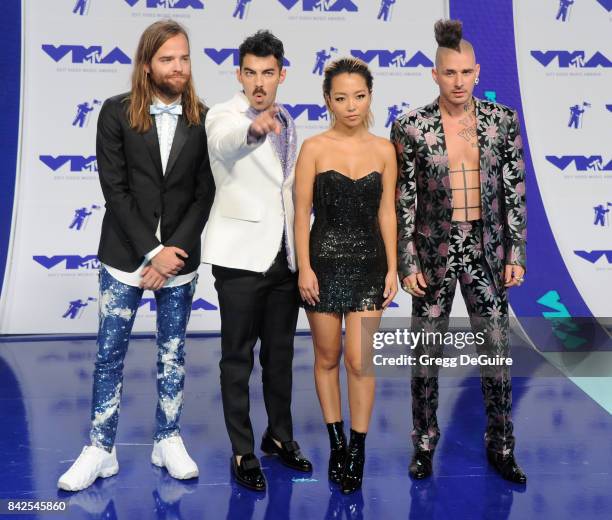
[169,86]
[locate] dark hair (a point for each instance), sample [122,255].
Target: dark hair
[449,33]
[261,44]
[347,66]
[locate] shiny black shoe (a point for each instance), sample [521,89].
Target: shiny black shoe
[289,453]
[248,472]
[337,454]
[421,465]
[507,467]
[352,473]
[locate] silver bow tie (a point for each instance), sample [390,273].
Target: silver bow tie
[175,110]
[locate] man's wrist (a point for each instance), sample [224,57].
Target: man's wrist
[149,256]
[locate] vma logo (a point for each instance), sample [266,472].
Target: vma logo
[384,12]
[606,4]
[573,59]
[582,163]
[78,163]
[76,308]
[396,59]
[82,54]
[490,95]
[81,7]
[83,111]
[331,6]
[168,4]
[81,217]
[595,255]
[565,8]
[69,262]
[321,58]
[576,114]
[220,56]
[602,214]
[240,11]
[560,319]
[313,112]
[199,304]
[394,111]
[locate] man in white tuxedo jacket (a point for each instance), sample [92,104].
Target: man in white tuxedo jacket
[249,242]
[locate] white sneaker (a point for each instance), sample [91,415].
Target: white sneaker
[171,454]
[93,462]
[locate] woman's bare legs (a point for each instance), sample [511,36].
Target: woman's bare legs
[327,340]
[361,380]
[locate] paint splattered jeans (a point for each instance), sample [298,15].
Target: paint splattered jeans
[488,311]
[117,311]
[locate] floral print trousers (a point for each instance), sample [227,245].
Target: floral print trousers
[488,311]
[117,311]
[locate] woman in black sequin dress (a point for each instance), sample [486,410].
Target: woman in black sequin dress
[347,261]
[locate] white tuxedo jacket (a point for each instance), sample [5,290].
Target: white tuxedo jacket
[253,201]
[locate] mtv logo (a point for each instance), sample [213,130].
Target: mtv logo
[398,58]
[314,112]
[321,5]
[220,56]
[581,163]
[71,262]
[168,4]
[595,255]
[78,163]
[82,54]
[566,59]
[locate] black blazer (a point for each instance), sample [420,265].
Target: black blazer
[137,193]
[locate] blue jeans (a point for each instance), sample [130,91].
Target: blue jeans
[118,304]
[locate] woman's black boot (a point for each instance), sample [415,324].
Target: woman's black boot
[353,466]
[337,454]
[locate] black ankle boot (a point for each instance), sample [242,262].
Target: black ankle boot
[353,465]
[507,467]
[337,454]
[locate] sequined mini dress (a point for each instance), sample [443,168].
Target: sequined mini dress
[347,252]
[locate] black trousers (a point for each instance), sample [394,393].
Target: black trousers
[257,306]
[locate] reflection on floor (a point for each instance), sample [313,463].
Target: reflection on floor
[564,443]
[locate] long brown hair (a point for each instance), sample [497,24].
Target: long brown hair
[143,89]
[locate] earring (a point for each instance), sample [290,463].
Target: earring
[477,81]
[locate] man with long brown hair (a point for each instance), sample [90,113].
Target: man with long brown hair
[156,180]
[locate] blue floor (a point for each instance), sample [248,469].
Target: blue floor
[564,443]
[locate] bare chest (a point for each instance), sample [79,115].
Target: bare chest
[461,142]
[461,138]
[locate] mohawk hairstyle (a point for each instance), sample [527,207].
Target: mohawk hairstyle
[449,33]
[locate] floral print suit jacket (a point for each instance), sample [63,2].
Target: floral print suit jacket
[424,197]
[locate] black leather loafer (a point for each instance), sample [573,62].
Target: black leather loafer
[248,472]
[288,453]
